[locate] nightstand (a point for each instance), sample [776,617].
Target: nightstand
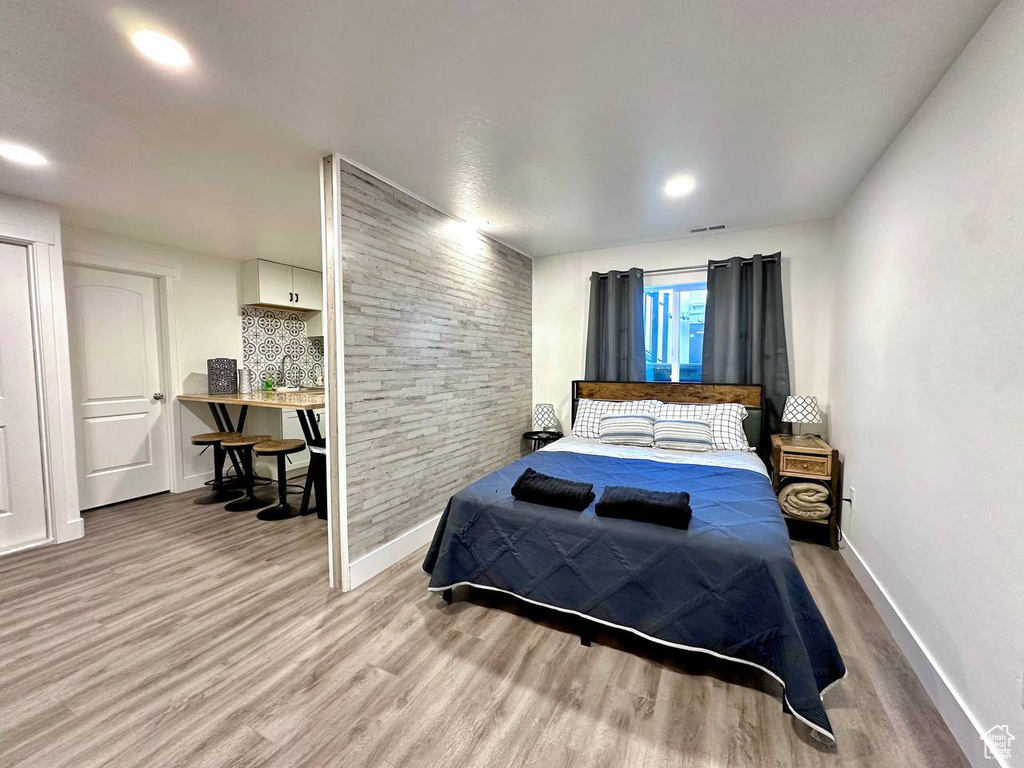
[542,437]
[806,458]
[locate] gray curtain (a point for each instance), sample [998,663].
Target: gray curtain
[615,335]
[745,334]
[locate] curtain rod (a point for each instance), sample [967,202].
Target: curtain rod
[700,267]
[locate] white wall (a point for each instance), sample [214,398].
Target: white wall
[561,290]
[927,368]
[208,324]
[29,220]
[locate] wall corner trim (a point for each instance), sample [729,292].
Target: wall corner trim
[961,722]
[386,555]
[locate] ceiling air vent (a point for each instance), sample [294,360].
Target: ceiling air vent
[710,228]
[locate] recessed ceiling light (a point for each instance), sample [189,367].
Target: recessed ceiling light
[21,155]
[678,186]
[162,49]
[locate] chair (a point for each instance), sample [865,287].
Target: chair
[219,492]
[279,448]
[243,445]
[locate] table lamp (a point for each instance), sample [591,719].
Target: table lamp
[544,419]
[801,409]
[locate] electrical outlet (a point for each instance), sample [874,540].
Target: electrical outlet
[852,497]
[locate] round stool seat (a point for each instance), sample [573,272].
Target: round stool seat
[279,447]
[244,441]
[212,438]
[220,490]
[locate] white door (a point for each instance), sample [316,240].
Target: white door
[120,409]
[22,501]
[308,286]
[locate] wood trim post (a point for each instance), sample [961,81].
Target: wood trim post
[334,369]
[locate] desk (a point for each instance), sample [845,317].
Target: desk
[304,402]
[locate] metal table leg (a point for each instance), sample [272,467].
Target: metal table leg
[223,421]
[317,464]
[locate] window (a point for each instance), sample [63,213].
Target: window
[674,331]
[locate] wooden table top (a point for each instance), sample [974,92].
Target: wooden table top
[286,401]
[811,444]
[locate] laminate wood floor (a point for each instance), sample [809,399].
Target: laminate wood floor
[178,635]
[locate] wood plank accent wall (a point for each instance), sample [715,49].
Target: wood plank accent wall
[438,326]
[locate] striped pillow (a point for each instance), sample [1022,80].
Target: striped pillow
[627,429]
[683,435]
[589,412]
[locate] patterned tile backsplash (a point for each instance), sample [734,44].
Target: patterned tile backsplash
[270,334]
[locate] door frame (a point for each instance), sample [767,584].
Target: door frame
[334,372]
[167,338]
[53,382]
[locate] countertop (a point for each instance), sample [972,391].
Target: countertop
[286,401]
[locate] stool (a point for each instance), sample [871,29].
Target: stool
[316,480]
[244,444]
[280,448]
[219,492]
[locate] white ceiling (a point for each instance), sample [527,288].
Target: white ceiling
[559,121]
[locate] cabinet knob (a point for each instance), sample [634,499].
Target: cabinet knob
[158,395]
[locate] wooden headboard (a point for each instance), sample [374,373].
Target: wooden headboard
[750,396]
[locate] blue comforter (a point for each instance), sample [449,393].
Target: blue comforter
[729,585]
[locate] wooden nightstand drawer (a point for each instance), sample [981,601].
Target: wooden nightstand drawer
[813,466]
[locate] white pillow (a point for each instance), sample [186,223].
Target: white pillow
[627,429]
[725,420]
[683,435]
[589,413]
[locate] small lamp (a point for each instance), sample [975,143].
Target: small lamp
[544,419]
[801,409]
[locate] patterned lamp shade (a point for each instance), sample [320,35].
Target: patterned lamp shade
[544,418]
[802,409]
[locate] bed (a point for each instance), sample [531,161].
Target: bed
[727,586]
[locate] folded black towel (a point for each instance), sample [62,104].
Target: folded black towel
[550,491]
[658,507]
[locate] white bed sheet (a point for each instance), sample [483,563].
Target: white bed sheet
[733,459]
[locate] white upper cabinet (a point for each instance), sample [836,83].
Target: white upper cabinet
[268,284]
[273,284]
[315,325]
[308,286]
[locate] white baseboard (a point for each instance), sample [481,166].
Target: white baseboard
[71,530]
[192,482]
[965,728]
[386,555]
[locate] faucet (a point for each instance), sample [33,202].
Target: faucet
[283,374]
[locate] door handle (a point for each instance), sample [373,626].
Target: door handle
[158,395]
[291,296]
[296,298]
